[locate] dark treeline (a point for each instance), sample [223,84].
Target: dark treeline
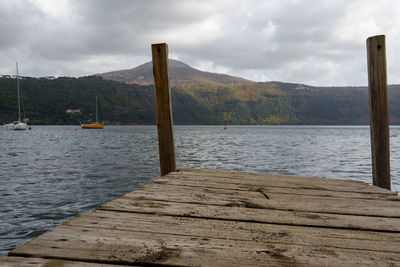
[71,100]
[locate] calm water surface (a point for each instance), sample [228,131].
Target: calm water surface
[53,173]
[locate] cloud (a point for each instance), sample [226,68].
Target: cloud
[313,42]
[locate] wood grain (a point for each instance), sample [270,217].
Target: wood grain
[235,230]
[278,187]
[298,182]
[38,262]
[263,199]
[124,247]
[379,111]
[165,129]
[251,214]
[219,218]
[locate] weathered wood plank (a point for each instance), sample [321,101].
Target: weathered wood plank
[260,199]
[38,262]
[197,184]
[165,129]
[275,177]
[253,179]
[379,111]
[124,247]
[245,231]
[208,218]
[254,214]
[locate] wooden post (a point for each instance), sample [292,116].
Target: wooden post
[165,129]
[379,111]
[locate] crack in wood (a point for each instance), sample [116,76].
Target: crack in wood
[262,192]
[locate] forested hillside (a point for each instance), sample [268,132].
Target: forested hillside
[47,101]
[70,100]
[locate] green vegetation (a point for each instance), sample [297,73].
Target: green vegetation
[47,101]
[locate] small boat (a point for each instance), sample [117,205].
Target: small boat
[17,125]
[95,125]
[92,126]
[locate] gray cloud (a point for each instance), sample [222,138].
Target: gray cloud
[314,42]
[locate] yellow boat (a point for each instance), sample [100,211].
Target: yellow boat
[95,125]
[92,126]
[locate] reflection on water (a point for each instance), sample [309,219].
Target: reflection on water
[53,173]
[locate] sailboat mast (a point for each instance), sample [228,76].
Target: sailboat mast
[19,105]
[97,114]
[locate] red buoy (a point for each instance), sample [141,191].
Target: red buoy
[76,129]
[225,127]
[136,128]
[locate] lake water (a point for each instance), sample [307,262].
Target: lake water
[53,173]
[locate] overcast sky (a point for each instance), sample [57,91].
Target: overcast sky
[314,42]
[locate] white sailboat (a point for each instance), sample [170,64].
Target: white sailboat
[17,125]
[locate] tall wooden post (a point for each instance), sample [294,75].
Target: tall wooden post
[165,129]
[379,111]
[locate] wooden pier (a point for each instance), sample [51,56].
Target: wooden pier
[191,217]
[219,218]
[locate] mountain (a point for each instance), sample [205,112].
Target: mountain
[197,98]
[181,75]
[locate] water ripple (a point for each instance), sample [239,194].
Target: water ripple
[53,173]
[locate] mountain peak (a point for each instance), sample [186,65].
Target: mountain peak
[181,75]
[177,64]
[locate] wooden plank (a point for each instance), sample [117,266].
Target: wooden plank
[261,200]
[254,215]
[165,129]
[223,221]
[245,231]
[204,185]
[275,177]
[251,180]
[379,111]
[248,176]
[124,247]
[38,262]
